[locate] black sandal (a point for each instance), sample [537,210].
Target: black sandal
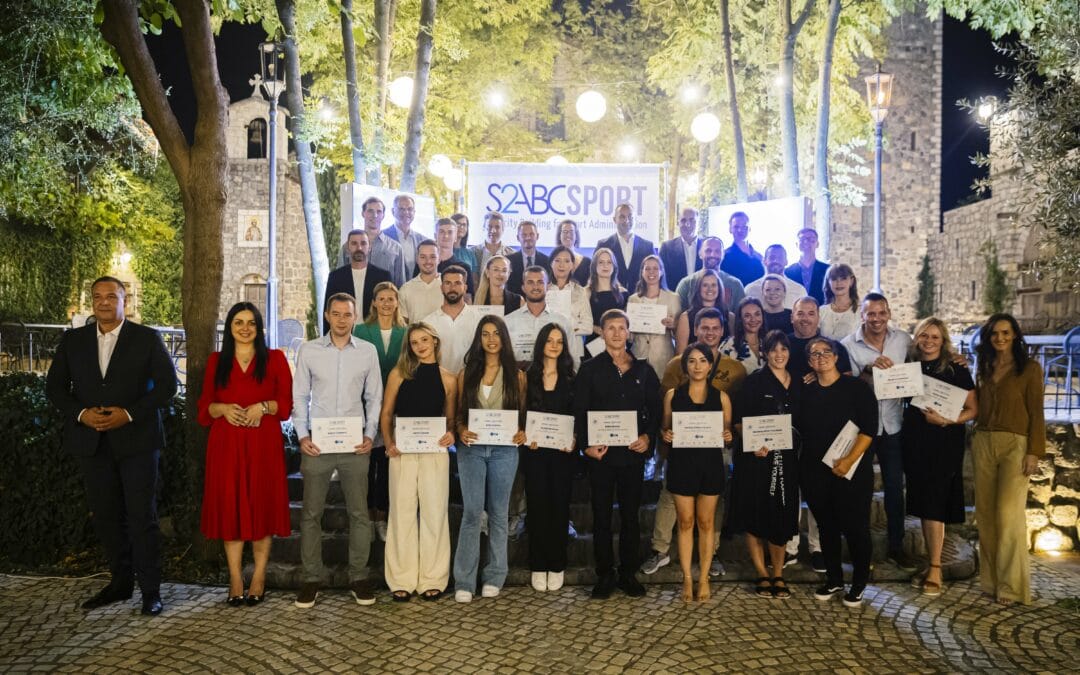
[763,589]
[431,594]
[400,596]
[780,592]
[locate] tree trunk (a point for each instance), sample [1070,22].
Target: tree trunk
[414,129]
[352,95]
[201,171]
[673,186]
[309,188]
[822,196]
[736,125]
[384,26]
[789,141]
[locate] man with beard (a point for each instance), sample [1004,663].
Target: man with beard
[775,262]
[454,321]
[712,254]
[385,252]
[358,278]
[525,323]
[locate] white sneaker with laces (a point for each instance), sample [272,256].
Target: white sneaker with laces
[555,580]
[539,581]
[462,596]
[489,591]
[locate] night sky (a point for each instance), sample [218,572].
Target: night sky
[968,72]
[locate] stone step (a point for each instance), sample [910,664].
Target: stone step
[958,562]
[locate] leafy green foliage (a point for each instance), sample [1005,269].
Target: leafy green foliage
[924,304]
[995,287]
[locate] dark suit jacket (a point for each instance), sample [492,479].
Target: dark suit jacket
[671,254]
[628,272]
[140,379]
[517,269]
[817,279]
[340,281]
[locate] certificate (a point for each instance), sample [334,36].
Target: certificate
[558,302]
[900,381]
[484,310]
[697,429]
[768,431]
[493,427]
[548,430]
[946,399]
[420,434]
[647,318]
[337,434]
[612,427]
[595,346]
[523,340]
[840,448]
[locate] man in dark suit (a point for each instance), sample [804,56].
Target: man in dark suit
[681,254]
[808,270]
[358,278]
[623,242]
[110,380]
[528,256]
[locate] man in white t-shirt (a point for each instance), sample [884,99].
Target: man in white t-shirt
[422,294]
[454,321]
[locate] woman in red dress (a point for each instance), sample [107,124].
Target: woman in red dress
[246,394]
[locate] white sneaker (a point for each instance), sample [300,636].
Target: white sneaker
[489,591]
[555,580]
[462,596]
[380,529]
[540,581]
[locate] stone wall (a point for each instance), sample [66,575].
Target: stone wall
[911,170]
[1054,495]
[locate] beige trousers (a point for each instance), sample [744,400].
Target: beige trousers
[1000,497]
[418,551]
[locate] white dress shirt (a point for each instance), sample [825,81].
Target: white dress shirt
[106,343]
[690,253]
[863,355]
[627,246]
[523,322]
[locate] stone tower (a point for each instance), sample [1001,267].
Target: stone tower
[245,234]
[911,170]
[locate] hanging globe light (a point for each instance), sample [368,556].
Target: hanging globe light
[556,159]
[591,106]
[400,91]
[454,180]
[705,127]
[439,165]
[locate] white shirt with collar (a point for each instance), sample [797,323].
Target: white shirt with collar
[690,253]
[863,355]
[455,335]
[418,298]
[627,247]
[522,322]
[106,344]
[358,278]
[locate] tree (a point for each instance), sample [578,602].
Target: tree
[309,190]
[789,140]
[414,128]
[200,167]
[822,198]
[352,92]
[995,288]
[385,13]
[733,105]
[924,304]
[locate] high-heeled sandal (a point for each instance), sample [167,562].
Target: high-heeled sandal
[236,600]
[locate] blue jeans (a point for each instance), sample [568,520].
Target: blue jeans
[487,474]
[890,456]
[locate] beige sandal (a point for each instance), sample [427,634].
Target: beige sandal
[932,588]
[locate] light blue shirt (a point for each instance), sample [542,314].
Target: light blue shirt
[332,382]
[897,342]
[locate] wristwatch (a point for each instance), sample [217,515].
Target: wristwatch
[265,407]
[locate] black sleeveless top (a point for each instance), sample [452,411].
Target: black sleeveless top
[681,401]
[423,395]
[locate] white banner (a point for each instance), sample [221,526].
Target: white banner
[547,194]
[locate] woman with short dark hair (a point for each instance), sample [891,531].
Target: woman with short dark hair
[570,237]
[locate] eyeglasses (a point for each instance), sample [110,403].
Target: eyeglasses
[820,355]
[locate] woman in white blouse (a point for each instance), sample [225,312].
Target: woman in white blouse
[840,311]
[656,348]
[564,292]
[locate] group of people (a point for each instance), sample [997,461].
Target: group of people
[442,334]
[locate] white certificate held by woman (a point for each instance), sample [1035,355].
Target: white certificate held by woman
[647,318]
[493,427]
[946,399]
[703,429]
[549,430]
[419,434]
[841,446]
[612,427]
[767,431]
[899,381]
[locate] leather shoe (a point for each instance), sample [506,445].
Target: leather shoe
[151,605]
[604,587]
[107,596]
[631,586]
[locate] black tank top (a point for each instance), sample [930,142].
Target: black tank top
[681,401]
[422,396]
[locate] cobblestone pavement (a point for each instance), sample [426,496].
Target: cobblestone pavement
[897,630]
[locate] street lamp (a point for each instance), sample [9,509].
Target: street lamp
[879,88]
[272,60]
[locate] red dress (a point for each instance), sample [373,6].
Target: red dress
[245,496]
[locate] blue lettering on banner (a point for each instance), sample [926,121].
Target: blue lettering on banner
[539,199]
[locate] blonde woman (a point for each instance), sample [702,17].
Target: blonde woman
[656,348]
[385,330]
[840,311]
[492,289]
[418,552]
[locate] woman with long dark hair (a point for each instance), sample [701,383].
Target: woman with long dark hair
[385,330]
[418,549]
[934,449]
[765,486]
[247,392]
[549,472]
[708,292]
[696,476]
[490,380]
[749,337]
[605,291]
[1010,437]
[656,348]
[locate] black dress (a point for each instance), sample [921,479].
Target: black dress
[602,301]
[696,471]
[765,490]
[934,457]
[549,475]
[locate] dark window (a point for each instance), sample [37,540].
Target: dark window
[912,140]
[972,290]
[256,137]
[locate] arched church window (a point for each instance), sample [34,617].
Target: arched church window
[257,140]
